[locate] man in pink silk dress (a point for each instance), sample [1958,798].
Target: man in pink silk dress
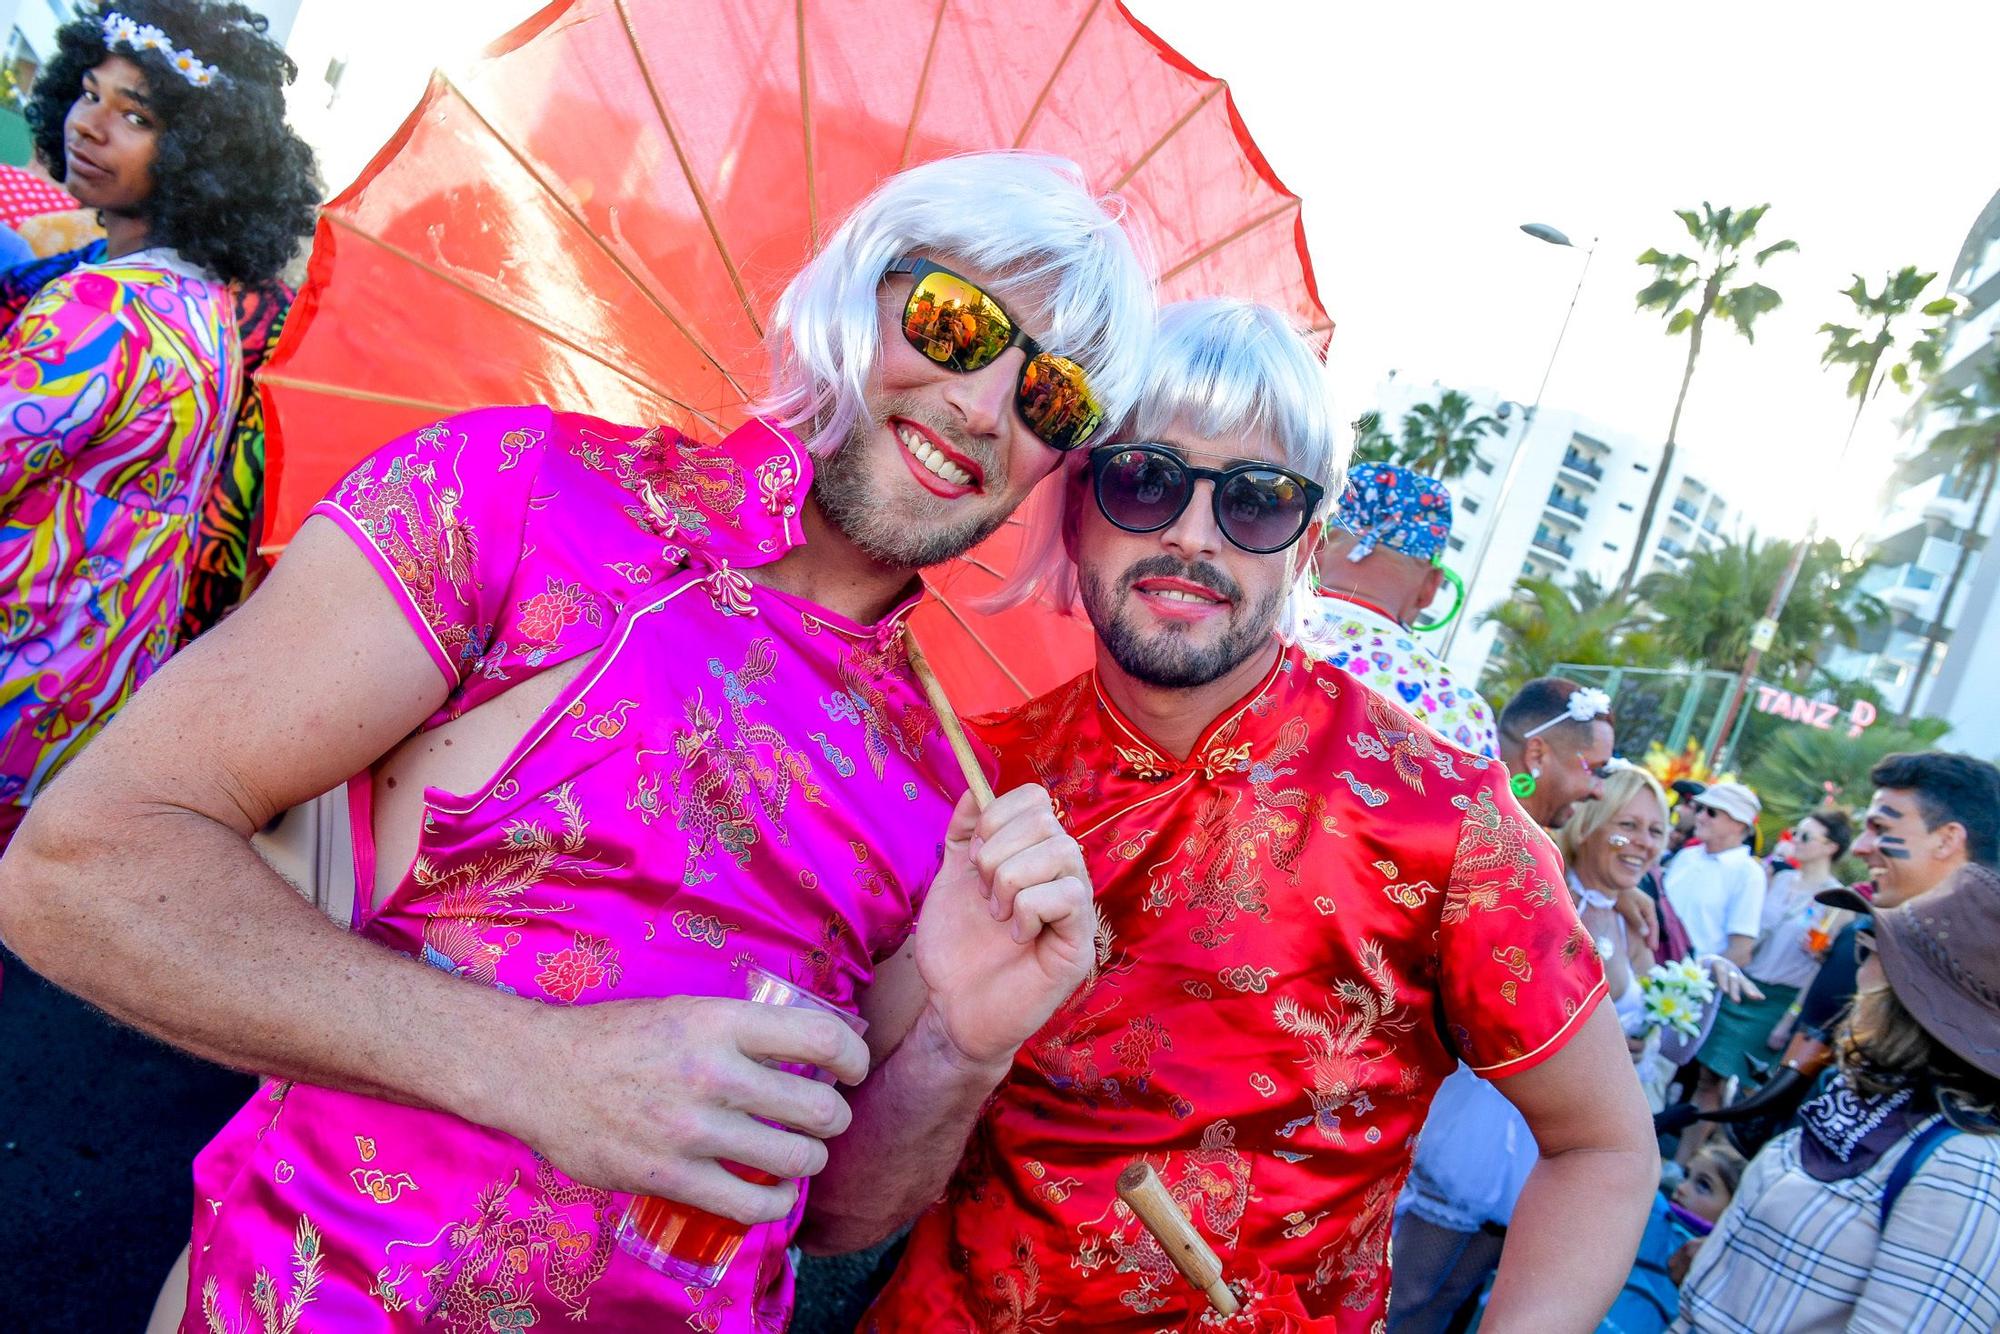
[619,711]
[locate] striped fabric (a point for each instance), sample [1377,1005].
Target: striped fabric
[1797,1256]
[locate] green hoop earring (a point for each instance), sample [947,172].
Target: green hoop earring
[1523,785]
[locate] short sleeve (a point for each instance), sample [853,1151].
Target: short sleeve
[441,514]
[1517,971]
[1745,915]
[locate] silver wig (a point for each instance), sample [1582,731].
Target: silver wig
[1222,368]
[1060,259]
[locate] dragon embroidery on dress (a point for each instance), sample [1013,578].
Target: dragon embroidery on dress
[487,1279]
[1338,1039]
[864,668]
[463,906]
[1267,772]
[1354,1262]
[1211,1184]
[1403,743]
[1493,857]
[308,1266]
[1222,874]
[681,484]
[425,541]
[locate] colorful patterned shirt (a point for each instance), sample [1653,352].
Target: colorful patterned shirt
[734,775]
[1367,643]
[1303,926]
[118,387]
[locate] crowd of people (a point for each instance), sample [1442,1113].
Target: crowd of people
[1401,1000]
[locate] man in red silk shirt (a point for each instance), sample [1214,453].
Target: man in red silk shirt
[1310,909]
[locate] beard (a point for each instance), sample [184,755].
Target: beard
[912,535]
[1168,659]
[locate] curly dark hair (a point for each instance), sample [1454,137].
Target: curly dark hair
[234,190]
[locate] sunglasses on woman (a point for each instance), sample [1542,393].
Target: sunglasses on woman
[953,322]
[1259,507]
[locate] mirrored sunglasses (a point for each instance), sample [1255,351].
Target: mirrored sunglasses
[1259,507]
[953,322]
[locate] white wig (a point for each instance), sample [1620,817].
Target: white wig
[1224,369]
[1059,258]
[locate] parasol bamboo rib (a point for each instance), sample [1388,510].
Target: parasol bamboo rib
[284,381]
[423,266]
[1161,142]
[1056,73]
[1289,206]
[954,735]
[687,169]
[610,254]
[1140,1187]
[973,635]
[923,86]
[806,122]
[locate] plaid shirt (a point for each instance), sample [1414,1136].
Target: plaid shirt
[1795,1256]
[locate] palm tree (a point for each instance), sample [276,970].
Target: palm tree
[1869,356]
[1687,289]
[1705,608]
[1442,440]
[1971,451]
[1543,624]
[1372,444]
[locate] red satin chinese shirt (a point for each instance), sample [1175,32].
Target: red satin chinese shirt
[1303,926]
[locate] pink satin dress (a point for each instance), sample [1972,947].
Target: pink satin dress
[733,776]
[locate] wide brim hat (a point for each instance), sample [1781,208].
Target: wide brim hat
[1938,952]
[1849,897]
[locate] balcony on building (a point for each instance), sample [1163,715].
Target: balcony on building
[1575,461]
[1550,542]
[1570,508]
[1687,509]
[1673,548]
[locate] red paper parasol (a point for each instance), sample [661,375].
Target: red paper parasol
[601,210]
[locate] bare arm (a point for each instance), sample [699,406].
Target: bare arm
[1598,1170]
[133,884]
[1006,934]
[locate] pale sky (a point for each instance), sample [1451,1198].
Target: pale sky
[1421,135]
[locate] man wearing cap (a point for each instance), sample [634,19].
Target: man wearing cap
[1714,886]
[1881,1209]
[1378,568]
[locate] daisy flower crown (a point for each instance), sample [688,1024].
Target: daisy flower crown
[121,32]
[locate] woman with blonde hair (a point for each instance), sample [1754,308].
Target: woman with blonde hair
[1609,845]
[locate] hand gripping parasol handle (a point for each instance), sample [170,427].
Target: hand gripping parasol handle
[961,749]
[1141,1188]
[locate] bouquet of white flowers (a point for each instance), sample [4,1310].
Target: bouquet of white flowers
[1677,995]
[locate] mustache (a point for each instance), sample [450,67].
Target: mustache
[1195,572]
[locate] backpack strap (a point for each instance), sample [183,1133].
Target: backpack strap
[1921,1148]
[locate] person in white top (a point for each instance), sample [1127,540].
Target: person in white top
[1714,885]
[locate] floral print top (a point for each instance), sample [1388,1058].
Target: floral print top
[118,389]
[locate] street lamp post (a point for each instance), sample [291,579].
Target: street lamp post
[1541,231]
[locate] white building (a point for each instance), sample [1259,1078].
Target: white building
[1922,533]
[1574,510]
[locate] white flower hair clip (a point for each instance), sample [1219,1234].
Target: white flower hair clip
[121,32]
[1584,705]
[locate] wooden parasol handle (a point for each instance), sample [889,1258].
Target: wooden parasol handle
[1141,1189]
[961,749]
